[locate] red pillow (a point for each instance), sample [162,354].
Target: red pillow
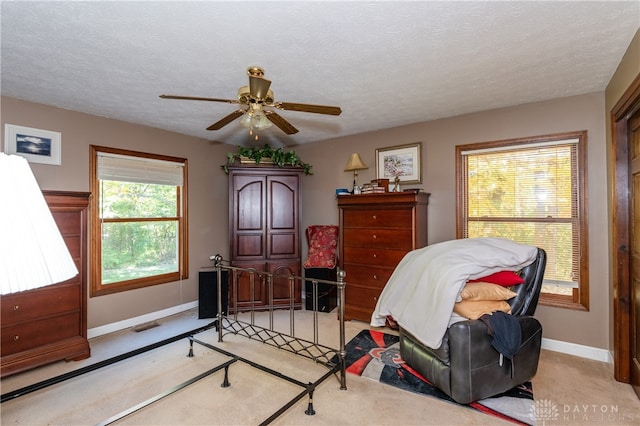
[323,242]
[503,278]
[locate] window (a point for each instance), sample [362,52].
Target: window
[532,191]
[138,223]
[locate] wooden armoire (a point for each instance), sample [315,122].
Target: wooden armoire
[264,234]
[49,324]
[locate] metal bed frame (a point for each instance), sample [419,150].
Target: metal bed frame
[332,358]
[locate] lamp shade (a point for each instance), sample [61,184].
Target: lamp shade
[355,163]
[32,251]
[255,120]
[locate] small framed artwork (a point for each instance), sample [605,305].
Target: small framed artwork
[36,145]
[402,161]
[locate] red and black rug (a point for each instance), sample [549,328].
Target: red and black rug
[376,356]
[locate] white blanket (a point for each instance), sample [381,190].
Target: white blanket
[426,283]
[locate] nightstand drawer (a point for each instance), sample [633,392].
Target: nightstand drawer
[39,304]
[377,218]
[399,239]
[372,256]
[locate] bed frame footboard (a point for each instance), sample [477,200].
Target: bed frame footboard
[333,358]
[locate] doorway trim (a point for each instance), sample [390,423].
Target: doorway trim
[624,108]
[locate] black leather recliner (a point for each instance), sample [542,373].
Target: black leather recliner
[466,367]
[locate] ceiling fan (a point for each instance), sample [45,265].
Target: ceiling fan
[256,96]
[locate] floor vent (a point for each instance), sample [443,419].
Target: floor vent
[145,326]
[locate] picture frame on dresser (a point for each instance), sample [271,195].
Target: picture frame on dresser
[401,161]
[36,145]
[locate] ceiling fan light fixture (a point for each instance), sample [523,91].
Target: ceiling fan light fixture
[255,120]
[255,96]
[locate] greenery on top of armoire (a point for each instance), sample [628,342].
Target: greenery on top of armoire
[266,154]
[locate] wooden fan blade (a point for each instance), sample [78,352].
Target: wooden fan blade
[196,98]
[317,109]
[226,120]
[259,87]
[283,124]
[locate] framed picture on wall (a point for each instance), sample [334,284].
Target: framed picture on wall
[402,161]
[36,145]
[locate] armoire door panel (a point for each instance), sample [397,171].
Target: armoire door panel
[249,211]
[283,245]
[283,201]
[249,245]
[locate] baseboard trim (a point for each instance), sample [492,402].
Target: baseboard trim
[132,322]
[575,349]
[582,351]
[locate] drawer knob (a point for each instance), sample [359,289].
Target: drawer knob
[375,255]
[16,338]
[375,277]
[16,307]
[374,217]
[375,236]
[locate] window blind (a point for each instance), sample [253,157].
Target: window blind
[527,193]
[135,169]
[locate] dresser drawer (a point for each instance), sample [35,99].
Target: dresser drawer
[362,297]
[69,222]
[377,218]
[370,276]
[39,304]
[372,256]
[398,239]
[25,336]
[74,245]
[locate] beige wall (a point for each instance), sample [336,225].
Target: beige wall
[627,71]
[439,138]
[208,190]
[208,212]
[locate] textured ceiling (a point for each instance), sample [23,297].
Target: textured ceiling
[385,64]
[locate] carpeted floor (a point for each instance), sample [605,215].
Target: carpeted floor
[564,382]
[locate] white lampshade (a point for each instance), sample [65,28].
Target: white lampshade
[32,251]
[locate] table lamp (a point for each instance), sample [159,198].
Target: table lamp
[354,164]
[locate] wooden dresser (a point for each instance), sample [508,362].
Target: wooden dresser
[50,323]
[264,232]
[376,231]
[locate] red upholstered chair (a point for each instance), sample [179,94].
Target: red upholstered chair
[323,246]
[321,263]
